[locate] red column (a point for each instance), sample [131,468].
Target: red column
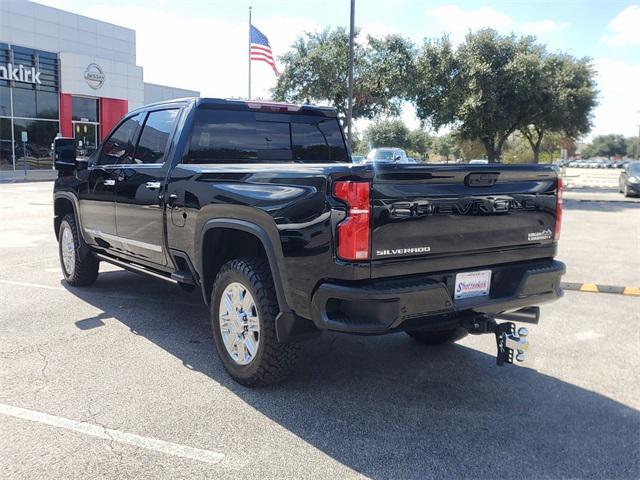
[111,111]
[66,127]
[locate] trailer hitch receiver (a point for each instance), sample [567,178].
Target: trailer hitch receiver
[510,344]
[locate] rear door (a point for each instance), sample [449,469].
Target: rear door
[435,211]
[96,199]
[139,187]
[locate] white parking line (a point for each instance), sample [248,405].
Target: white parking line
[175,449]
[34,285]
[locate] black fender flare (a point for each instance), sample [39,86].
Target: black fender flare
[84,248]
[273,251]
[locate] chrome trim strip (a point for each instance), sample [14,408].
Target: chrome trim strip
[128,241]
[135,268]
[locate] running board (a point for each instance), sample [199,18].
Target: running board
[132,267]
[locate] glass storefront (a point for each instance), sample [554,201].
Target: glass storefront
[29,87]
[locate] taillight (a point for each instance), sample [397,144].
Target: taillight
[559,192]
[353,231]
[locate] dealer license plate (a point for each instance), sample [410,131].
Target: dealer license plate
[472,284]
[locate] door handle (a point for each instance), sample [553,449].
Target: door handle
[109,183]
[153,185]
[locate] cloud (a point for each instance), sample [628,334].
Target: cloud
[624,29]
[619,98]
[543,26]
[458,22]
[202,53]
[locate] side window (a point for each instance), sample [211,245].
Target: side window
[237,137]
[155,136]
[119,146]
[221,136]
[308,142]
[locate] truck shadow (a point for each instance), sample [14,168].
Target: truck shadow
[389,407]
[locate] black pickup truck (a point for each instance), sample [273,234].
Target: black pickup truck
[259,207]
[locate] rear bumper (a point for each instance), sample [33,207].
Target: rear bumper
[381,306]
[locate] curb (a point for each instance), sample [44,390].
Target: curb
[594,288]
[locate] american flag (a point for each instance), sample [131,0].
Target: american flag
[261,50]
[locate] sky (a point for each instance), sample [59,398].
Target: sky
[202,44]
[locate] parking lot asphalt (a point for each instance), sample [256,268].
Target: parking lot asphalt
[120,380]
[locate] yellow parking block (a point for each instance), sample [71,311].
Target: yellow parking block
[589,287]
[632,291]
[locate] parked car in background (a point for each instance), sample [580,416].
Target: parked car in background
[629,181]
[387,155]
[357,159]
[478,161]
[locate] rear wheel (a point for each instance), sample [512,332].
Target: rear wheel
[438,337]
[243,313]
[78,270]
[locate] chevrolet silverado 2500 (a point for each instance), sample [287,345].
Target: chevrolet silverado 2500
[258,206]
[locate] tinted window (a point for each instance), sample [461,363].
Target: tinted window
[119,147]
[5,101]
[634,168]
[24,102]
[40,134]
[154,137]
[47,104]
[241,137]
[84,109]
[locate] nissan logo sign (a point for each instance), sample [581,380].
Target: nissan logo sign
[94,76]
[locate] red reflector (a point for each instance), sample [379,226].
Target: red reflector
[353,231]
[559,207]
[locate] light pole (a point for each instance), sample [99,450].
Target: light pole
[350,72]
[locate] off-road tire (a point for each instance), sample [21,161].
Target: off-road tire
[273,360]
[86,267]
[438,337]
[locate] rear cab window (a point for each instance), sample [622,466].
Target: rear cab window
[232,136]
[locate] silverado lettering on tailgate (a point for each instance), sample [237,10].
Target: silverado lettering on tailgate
[461,206]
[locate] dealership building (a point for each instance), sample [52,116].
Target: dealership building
[64,74]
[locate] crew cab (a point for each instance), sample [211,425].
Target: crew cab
[258,206]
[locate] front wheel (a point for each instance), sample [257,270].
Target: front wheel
[438,337]
[78,270]
[243,313]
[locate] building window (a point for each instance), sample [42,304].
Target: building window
[38,148]
[6,146]
[47,105]
[84,109]
[5,101]
[24,103]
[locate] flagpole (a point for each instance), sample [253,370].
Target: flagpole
[249,52]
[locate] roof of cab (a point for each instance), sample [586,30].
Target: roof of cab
[242,104]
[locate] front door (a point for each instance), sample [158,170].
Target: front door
[97,197]
[139,190]
[86,136]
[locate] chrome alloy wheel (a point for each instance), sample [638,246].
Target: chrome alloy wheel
[68,249]
[239,323]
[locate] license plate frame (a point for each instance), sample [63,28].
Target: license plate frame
[472,284]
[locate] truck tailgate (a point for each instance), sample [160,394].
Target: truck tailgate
[422,211]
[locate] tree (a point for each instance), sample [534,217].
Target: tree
[419,143]
[445,146]
[606,146]
[563,100]
[316,71]
[387,133]
[485,86]
[394,133]
[633,147]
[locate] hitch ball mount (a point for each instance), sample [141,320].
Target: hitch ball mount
[510,344]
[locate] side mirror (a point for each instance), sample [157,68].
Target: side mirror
[64,154]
